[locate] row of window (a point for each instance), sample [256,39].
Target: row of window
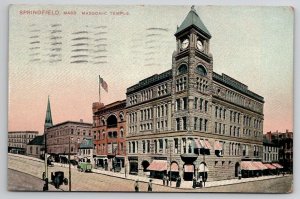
[146,114]
[161,146]
[14,135]
[162,89]
[200,124]
[181,84]
[146,94]
[133,100]
[146,126]
[203,104]
[201,85]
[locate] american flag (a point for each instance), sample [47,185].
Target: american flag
[103,83]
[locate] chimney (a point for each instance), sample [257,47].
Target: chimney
[81,120]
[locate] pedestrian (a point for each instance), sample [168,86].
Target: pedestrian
[136,186]
[150,185]
[167,179]
[164,180]
[178,181]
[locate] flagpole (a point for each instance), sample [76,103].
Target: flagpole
[99,90]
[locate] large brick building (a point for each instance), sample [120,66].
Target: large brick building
[191,120]
[109,135]
[59,136]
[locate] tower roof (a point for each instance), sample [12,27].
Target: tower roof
[48,119]
[193,20]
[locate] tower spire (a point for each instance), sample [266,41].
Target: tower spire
[193,20]
[48,119]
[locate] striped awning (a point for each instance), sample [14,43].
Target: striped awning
[218,146]
[247,165]
[259,165]
[189,168]
[269,166]
[277,165]
[174,167]
[158,165]
[197,144]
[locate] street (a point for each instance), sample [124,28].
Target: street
[99,182]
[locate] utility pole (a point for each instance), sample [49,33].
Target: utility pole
[46,164]
[70,163]
[170,165]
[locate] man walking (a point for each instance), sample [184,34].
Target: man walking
[136,186]
[164,180]
[150,185]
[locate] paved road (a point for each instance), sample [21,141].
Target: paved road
[99,182]
[19,181]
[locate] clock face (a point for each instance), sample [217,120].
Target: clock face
[185,44]
[199,45]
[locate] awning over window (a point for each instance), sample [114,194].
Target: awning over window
[218,146]
[203,168]
[277,165]
[203,144]
[259,165]
[269,166]
[247,165]
[189,168]
[197,144]
[158,165]
[174,167]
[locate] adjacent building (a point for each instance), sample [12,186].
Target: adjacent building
[65,138]
[85,150]
[284,140]
[18,140]
[190,121]
[36,147]
[109,135]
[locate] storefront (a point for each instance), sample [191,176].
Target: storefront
[158,168]
[133,165]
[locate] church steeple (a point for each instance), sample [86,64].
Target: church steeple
[193,20]
[48,119]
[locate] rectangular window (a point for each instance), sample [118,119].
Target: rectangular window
[185,103]
[201,120]
[206,106]
[177,124]
[201,104]
[195,123]
[184,123]
[205,125]
[195,102]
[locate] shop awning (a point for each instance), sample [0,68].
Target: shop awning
[174,167]
[197,144]
[277,165]
[189,168]
[269,166]
[158,165]
[204,144]
[247,165]
[259,165]
[218,146]
[203,168]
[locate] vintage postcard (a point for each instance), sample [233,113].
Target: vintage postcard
[150,98]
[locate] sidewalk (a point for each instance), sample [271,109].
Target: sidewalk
[184,184]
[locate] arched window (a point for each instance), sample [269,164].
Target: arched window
[182,69]
[201,70]
[121,132]
[112,121]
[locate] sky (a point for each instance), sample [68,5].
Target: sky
[61,54]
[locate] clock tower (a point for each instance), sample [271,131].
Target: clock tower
[192,68]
